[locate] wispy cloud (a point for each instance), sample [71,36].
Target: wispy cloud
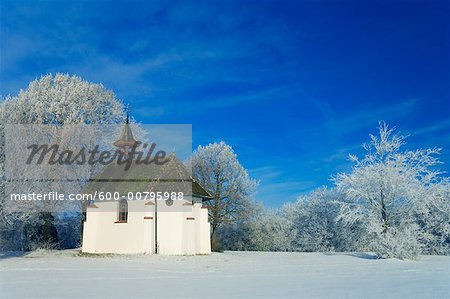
[442,126]
[370,116]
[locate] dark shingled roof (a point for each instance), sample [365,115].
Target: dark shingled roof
[171,176]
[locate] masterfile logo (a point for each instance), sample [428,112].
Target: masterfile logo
[83,162]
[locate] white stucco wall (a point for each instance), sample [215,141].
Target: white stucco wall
[183,230]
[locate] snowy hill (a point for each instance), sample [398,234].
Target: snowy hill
[230,274]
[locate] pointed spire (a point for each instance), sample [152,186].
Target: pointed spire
[126,139]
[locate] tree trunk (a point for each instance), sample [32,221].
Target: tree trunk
[215,245]
[215,221]
[384,217]
[83,219]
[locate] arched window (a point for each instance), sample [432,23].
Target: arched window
[123,211]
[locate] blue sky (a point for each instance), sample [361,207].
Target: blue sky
[294,87]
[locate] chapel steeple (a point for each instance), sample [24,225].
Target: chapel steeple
[126,141]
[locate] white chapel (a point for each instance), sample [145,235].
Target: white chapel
[171,226]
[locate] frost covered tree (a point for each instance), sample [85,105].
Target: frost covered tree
[261,230]
[314,219]
[309,224]
[237,235]
[217,168]
[385,189]
[434,219]
[272,231]
[62,99]
[58,100]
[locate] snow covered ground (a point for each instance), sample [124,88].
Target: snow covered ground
[62,274]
